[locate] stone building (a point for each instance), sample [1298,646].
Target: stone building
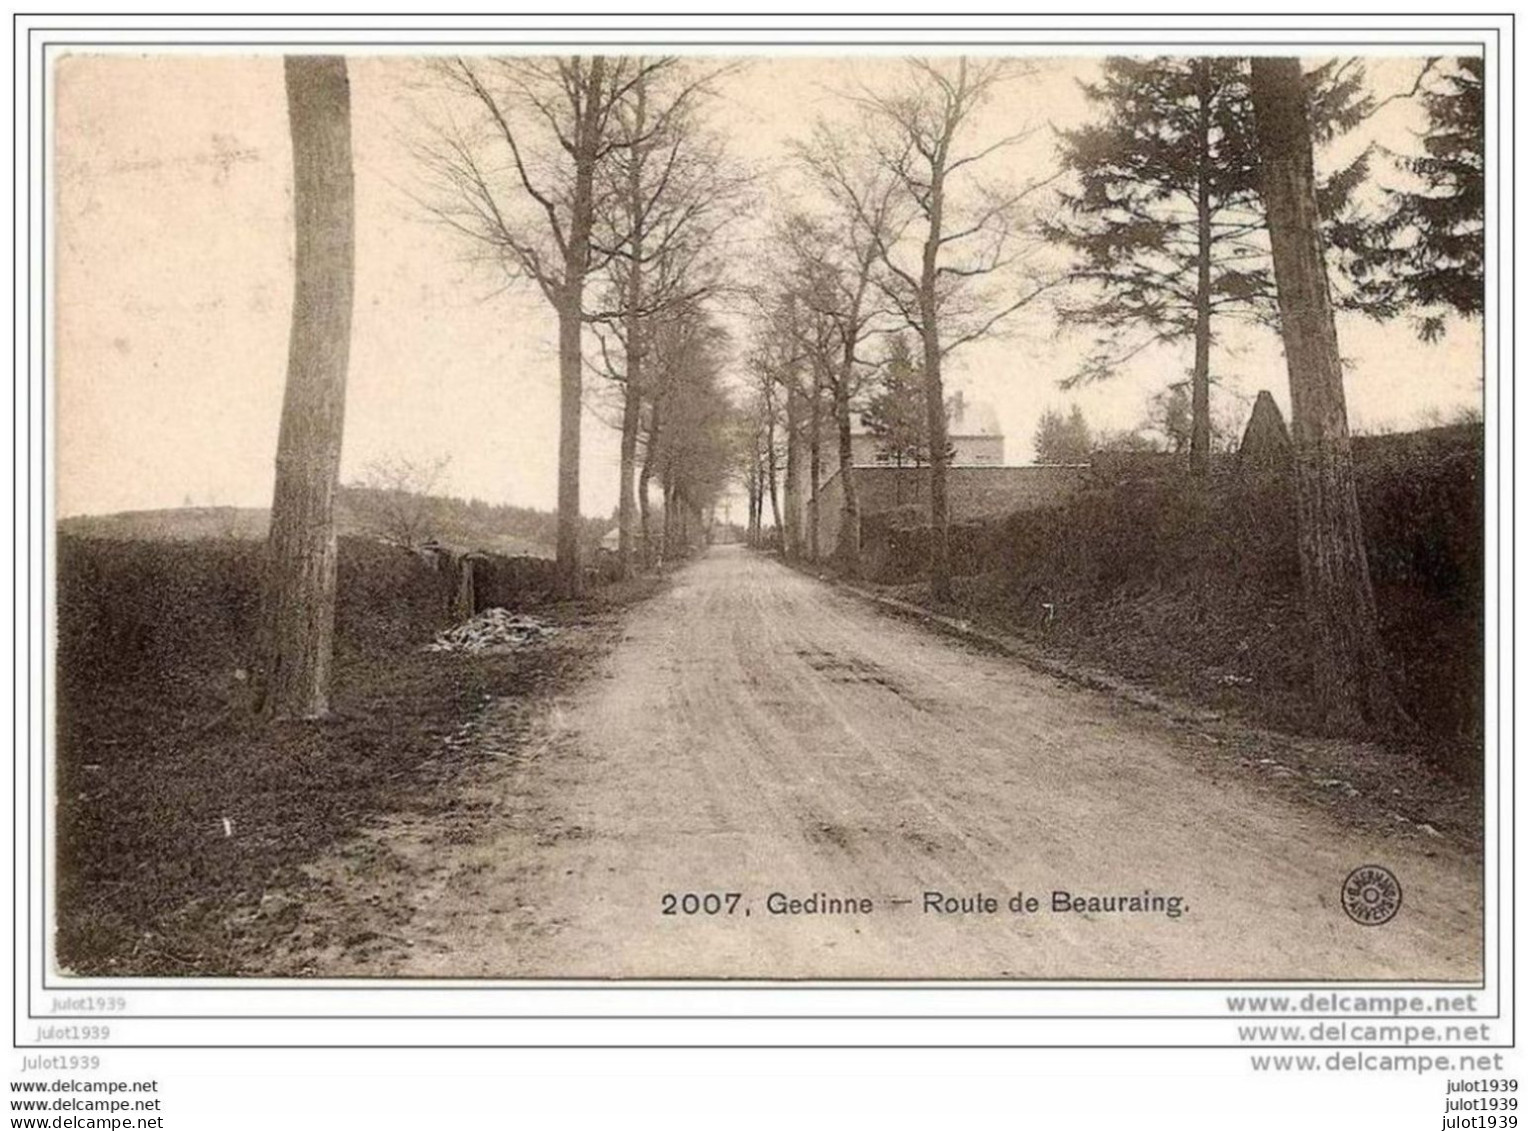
[979,483]
[974,433]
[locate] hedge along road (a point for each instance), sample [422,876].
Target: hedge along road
[758,732]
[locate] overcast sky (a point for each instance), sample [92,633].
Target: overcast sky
[173,258]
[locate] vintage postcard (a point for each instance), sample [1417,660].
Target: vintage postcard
[997,514]
[966,557]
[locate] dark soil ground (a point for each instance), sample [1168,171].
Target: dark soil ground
[183,824]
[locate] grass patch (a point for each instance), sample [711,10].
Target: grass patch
[1194,588]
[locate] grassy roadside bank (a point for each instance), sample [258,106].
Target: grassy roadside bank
[182,824]
[1394,789]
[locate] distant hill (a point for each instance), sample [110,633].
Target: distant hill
[180,524]
[469,524]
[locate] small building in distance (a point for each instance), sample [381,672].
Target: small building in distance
[979,483]
[974,432]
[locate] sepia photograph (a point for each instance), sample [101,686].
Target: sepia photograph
[1012,516]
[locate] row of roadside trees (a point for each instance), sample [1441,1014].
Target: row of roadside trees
[913,227]
[1190,201]
[594,182]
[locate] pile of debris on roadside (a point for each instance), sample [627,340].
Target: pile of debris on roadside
[492,630]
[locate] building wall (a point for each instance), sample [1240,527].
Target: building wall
[981,451]
[863,447]
[974,492]
[978,451]
[830,512]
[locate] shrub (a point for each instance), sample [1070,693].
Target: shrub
[895,545]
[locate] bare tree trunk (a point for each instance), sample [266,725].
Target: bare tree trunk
[570,323]
[568,578]
[849,535]
[668,521]
[296,636]
[756,516]
[938,432]
[654,427]
[813,508]
[773,470]
[792,473]
[644,507]
[631,420]
[751,484]
[671,536]
[849,532]
[1199,439]
[1351,678]
[631,417]
[753,498]
[758,501]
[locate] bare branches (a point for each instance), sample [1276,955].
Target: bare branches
[975,330]
[396,498]
[508,140]
[953,256]
[1402,95]
[667,190]
[497,114]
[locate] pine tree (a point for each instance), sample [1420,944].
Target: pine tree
[1428,252]
[528,182]
[1166,221]
[1063,439]
[897,414]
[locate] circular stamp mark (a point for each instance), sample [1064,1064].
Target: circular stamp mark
[1371,895]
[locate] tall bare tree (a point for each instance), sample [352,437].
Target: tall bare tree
[1351,676]
[694,454]
[814,330]
[667,194]
[520,179]
[296,635]
[780,362]
[684,352]
[840,250]
[964,265]
[761,418]
[761,368]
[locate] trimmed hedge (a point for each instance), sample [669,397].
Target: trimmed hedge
[175,615]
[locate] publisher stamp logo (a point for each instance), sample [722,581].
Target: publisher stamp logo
[1371,895]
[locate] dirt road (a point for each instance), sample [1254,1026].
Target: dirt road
[759,732]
